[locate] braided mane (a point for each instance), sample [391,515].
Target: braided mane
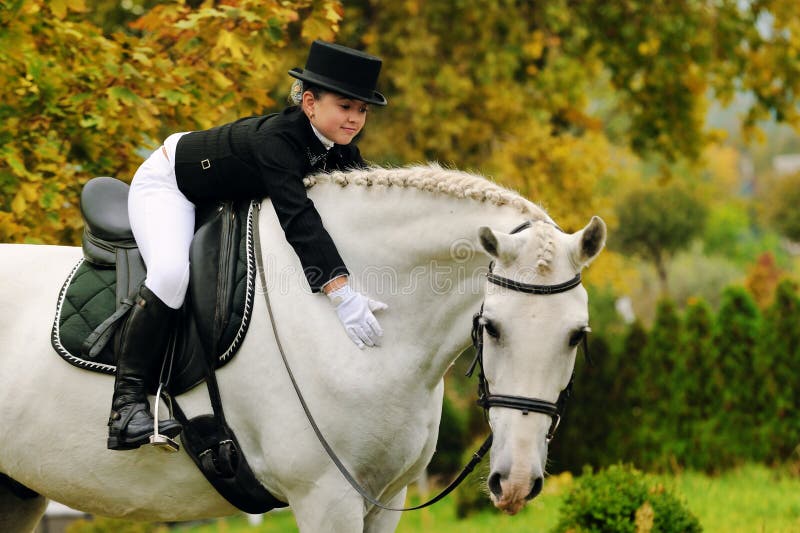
[545,245]
[432,178]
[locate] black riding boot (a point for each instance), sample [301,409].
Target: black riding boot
[141,348]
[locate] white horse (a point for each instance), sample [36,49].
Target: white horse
[410,237]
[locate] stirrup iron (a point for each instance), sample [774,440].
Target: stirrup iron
[164,443]
[158,440]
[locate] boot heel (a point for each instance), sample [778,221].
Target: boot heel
[114,443]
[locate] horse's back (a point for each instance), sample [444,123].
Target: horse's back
[32,276]
[35,267]
[52,425]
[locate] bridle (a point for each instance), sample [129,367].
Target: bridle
[525,404]
[485,399]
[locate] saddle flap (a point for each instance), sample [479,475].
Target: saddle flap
[213,256]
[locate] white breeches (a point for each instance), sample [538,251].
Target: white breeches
[162,220]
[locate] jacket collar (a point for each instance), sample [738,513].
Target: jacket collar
[327,143]
[315,150]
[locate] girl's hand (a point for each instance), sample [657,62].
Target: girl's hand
[355,311]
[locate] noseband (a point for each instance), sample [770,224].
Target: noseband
[521,403]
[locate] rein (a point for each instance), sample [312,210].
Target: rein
[476,458]
[485,399]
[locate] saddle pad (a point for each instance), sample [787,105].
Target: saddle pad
[88,297]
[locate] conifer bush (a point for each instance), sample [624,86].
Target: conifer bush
[700,386]
[778,396]
[658,390]
[736,338]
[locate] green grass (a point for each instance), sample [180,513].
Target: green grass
[751,499]
[539,515]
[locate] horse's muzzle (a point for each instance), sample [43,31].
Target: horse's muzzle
[511,497]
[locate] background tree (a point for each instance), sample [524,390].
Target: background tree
[544,94]
[627,399]
[697,387]
[664,56]
[655,222]
[736,336]
[77,103]
[763,278]
[781,198]
[656,386]
[486,84]
[777,397]
[549,96]
[583,431]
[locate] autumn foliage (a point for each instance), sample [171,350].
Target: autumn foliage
[556,99]
[77,103]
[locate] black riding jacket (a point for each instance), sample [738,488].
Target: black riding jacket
[269,155]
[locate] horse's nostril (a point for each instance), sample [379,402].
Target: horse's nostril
[494,485]
[536,489]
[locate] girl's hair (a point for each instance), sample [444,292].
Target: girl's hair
[299,87]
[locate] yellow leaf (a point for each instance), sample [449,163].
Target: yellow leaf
[29,191]
[142,58]
[59,8]
[146,120]
[229,45]
[78,6]
[18,204]
[314,28]
[220,79]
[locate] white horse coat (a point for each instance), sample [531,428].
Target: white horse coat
[410,238]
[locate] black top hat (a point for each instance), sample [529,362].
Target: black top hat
[343,70]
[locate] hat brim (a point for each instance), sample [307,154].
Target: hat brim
[326,83]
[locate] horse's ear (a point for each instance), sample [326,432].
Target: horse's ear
[589,242]
[502,246]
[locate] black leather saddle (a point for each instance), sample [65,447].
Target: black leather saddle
[95,299]
[97,296]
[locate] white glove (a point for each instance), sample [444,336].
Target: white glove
[355,312]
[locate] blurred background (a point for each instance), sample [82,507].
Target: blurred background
[674,120]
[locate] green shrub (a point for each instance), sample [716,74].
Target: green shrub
[621,499]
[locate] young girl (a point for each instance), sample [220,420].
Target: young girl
[252,157]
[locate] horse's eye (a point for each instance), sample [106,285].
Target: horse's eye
[578,335]
[491,329]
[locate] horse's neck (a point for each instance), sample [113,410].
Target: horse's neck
[418,252]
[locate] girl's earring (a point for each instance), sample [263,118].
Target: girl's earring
[311,116]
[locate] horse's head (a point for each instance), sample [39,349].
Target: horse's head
[535,314]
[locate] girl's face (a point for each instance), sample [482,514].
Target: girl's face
[337,117]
